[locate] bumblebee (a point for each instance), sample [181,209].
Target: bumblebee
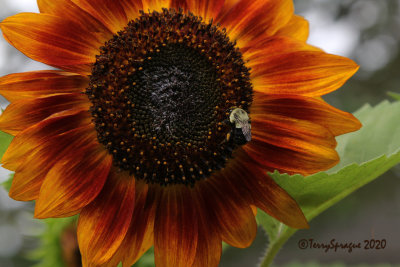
[241,127]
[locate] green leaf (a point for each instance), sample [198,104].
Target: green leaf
[365,155]
[5,140]
[7,183]
[395,96]
[49,254]
[147,260]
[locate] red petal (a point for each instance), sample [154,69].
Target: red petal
[291,145]
[52,40]
[110,13]
[207,9]
[140,236]
[66,9]
[250,20]
[38,154]
[209,245]
[175,228]
[257,54]
[24,113]
[230,210]
[306,108]
[266,194]
[104,222]
[28,140]
[157,5]
[40,83]
[310,73]
[75,179]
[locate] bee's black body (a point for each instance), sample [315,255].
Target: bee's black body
[237,136]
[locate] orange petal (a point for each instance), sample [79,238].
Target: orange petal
[291,145]
[75,179]
[231,212]
[39,157]
[132,8]
[24,113]
[297,28]
[157,5]
[175,228]
[104,222]
[249,20]
[140,236]
[267,195]
[52,40]
[40,83]
[310,73]
[68,10]
[306,108]
[110,13]
[207,9]
[272,199]
[209,245]
[29,139]
[273,46]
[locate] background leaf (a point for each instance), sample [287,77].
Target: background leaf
[49,254]
[365,155]
[394,95]
[5,140]
[7,183]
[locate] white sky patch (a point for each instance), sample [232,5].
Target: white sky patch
[23,5]
[334,37]
[2,52]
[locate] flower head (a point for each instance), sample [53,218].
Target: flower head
[164,119]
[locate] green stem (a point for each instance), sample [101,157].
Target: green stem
[275,246]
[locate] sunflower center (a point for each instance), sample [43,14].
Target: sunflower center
[178,94]
[162,92]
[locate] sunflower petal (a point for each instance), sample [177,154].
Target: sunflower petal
[157,5]
[209,246]
[132,8]
[104,222]
[24,113]
[297,28]
[207,9]
[75,179]
[28,140]
[110,12]
[140,236]
[52,40]
[232,213]
[310,73]
[68,10]
[175,229]
[40,83]
[267,195]
[306,108]
[32,166]
[273,46]
[247,21]
[272,199]
[291,145]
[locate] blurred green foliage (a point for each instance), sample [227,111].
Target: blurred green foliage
[49,254]
[5,140]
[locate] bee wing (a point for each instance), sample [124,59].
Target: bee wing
[246,129]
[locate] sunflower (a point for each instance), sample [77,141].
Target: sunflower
[163,119]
